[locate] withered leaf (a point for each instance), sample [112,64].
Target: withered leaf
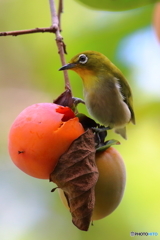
[65,99]
[76,174]
[86,121]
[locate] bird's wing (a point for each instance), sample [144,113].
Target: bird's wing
[126,93]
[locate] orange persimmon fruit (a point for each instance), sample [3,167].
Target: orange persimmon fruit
[40,134]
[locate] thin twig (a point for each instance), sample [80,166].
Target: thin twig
[59,38]
[60,10]
[28,31]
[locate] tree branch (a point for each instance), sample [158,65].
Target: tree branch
[55,28]
[59,40]
[60,10]
[28,31]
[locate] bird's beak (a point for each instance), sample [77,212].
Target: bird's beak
[67,66]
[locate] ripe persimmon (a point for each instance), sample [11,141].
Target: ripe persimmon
[110,186]
[40,134]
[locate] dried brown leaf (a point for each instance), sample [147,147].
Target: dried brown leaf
[65,99]
[76,174]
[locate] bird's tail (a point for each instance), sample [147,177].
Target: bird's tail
[122,132]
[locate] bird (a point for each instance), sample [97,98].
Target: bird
[107,94]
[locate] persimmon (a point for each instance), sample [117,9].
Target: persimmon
[110,186]
[40,134]
[111,183]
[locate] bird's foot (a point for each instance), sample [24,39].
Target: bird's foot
[76,101]
[102,129]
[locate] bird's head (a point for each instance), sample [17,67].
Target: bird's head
[87,63]
[91,66]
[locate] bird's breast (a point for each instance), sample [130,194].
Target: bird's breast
[105,103]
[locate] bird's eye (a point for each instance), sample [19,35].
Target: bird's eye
[83,58]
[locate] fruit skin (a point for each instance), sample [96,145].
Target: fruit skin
[39,136]
[110,186]
[111,183]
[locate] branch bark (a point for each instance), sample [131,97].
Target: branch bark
[59,39]
[60,10]
[28,31]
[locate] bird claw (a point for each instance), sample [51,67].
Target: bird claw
[76,101]
[102,129]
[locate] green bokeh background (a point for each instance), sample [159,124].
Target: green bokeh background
[29,74]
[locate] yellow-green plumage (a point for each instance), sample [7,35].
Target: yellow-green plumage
[107,94]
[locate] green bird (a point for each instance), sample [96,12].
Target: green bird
[107,94]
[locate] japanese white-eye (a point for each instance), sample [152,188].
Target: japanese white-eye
[107,94]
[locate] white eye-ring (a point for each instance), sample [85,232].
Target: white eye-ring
[83,58]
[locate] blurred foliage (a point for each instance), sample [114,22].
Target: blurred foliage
[28,74]
[156,20]
[117,5]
